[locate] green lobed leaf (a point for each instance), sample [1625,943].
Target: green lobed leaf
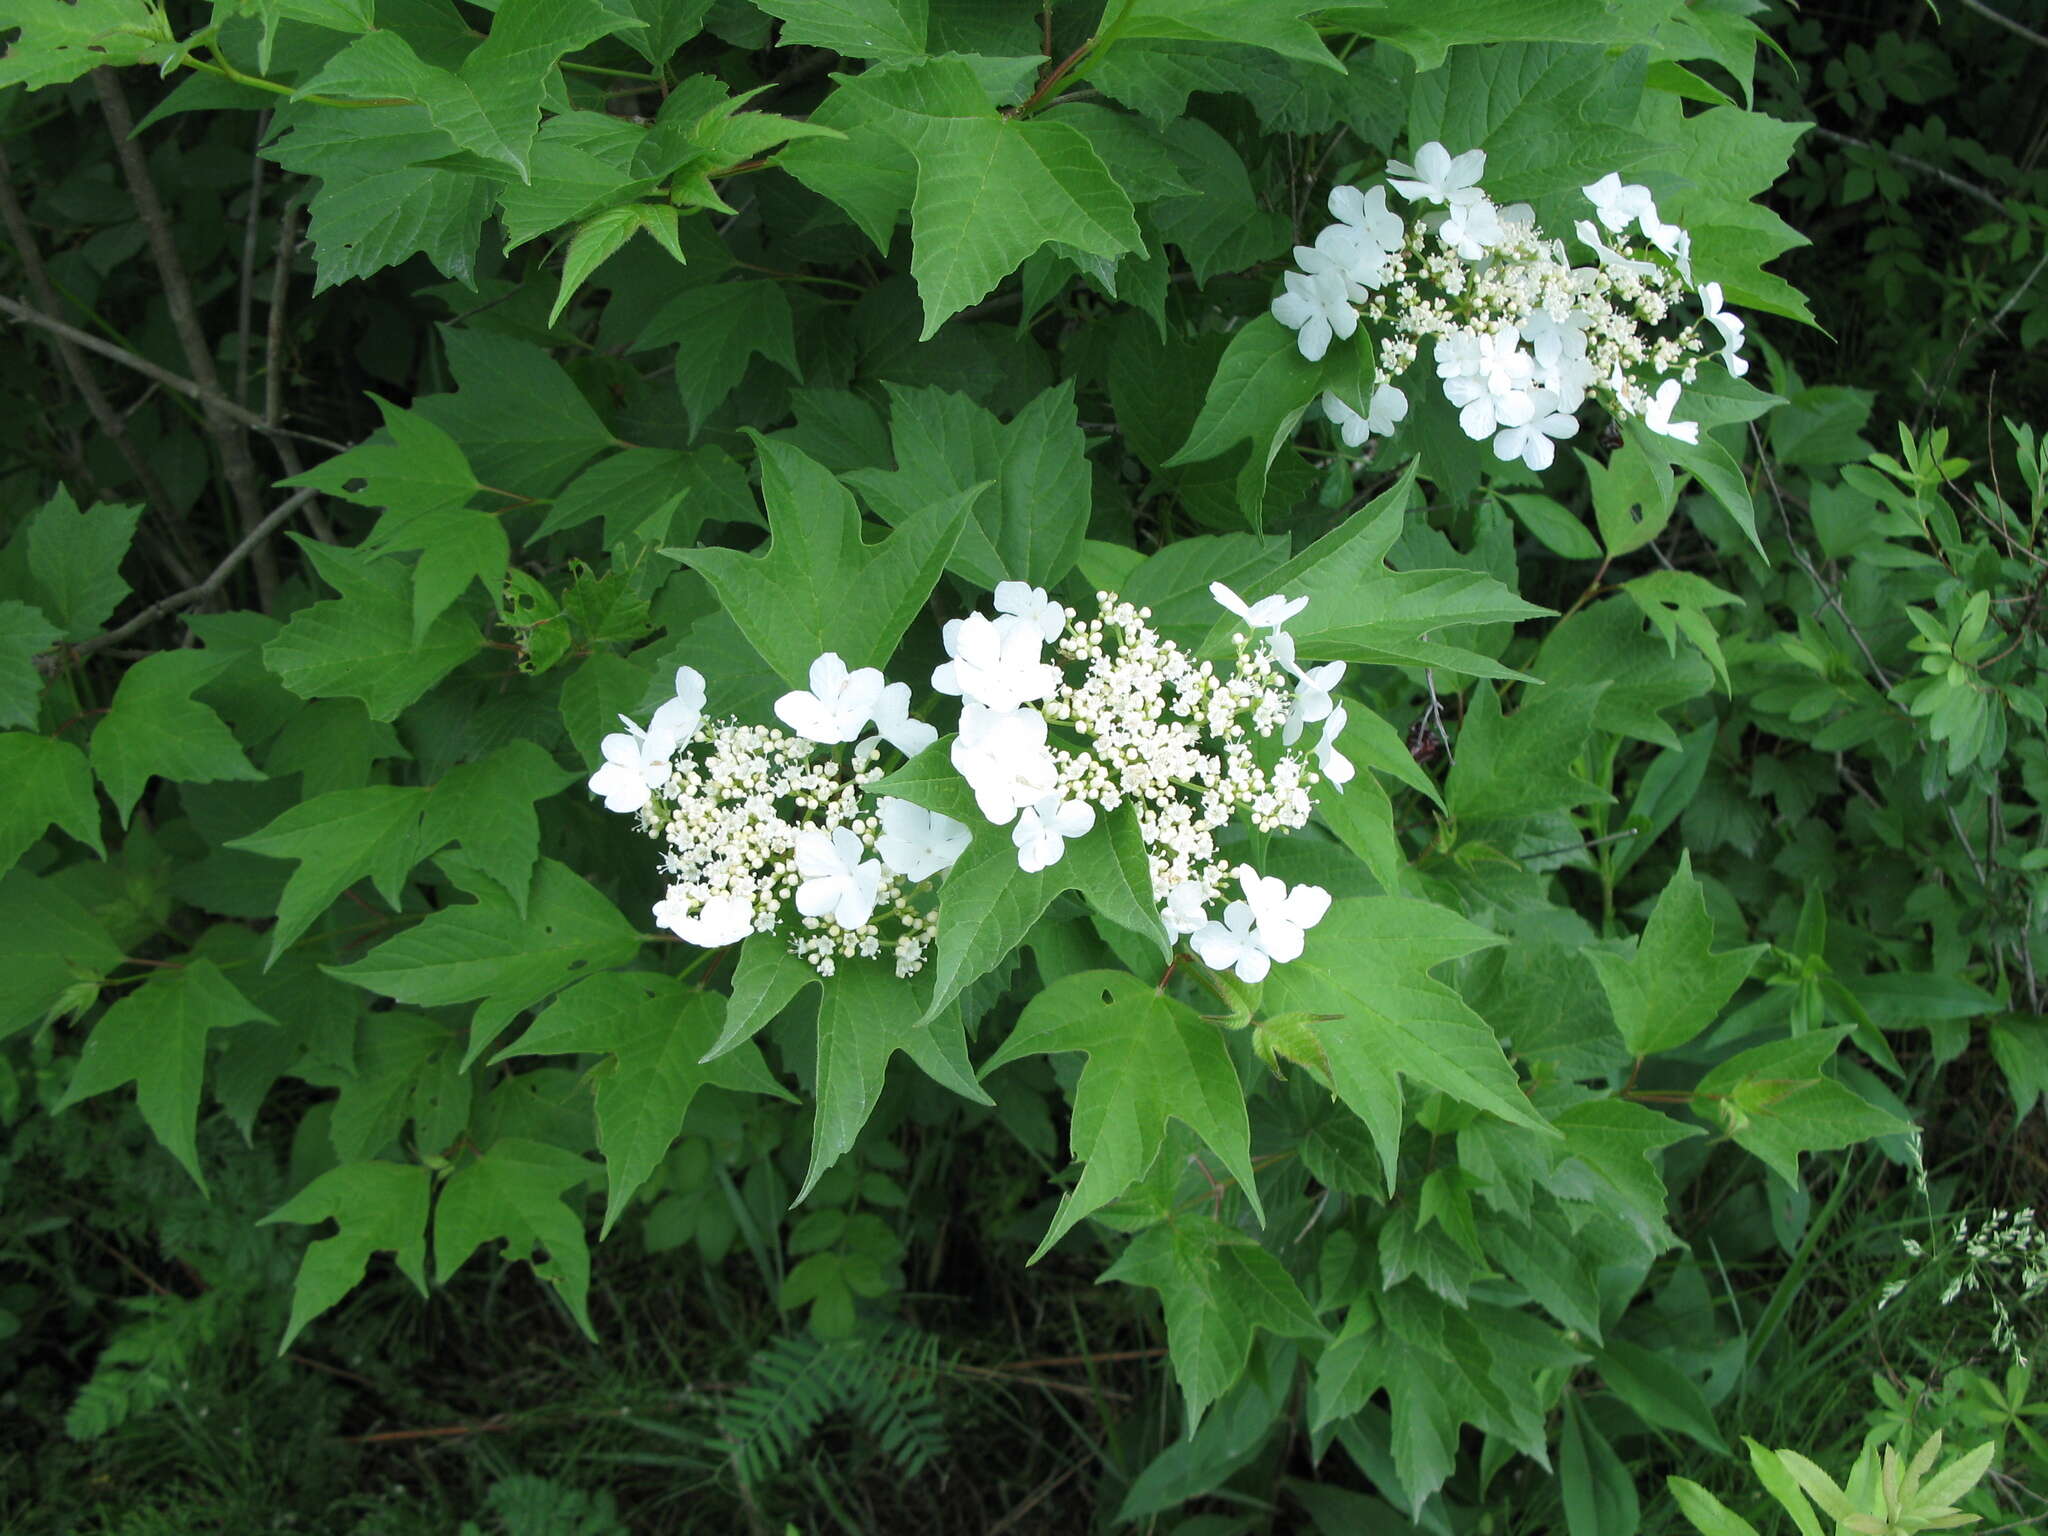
[24,635]
[155,1038]
[1271,24]
[1775,1101]
[58,43]
[53,952]
[1670,986]
[155,727]
[654,1030]
[859,29]
[74,558]
[1150,1057]
[717,327]
[519,417]
[514,1192]
[411,468]
[1521,765]
[377,1208]
[49,786]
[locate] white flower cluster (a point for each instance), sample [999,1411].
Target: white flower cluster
[2004,1256]
[755,821]
[1143,723]
[1520,337]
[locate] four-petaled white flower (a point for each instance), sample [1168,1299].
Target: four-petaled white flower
[917,843]
[1657,416]
[1042,830]
[1472,229]
[1317,307]
[1266,613]
[1730,327]
[894,725]
[1312,701]
[1334,765]
[1004,759]
[995,661]
[1367,215]
[1346,252]
[1619,206]
[836,881]
[636,762]
[722,920]
[1387,409]
[1438,178]
[1183,912]
[1023,601]
[1531,441]
[838,705]
[1268,925]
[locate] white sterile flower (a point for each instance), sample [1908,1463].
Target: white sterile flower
[1183,912]
[1283,916]
[722,920]
[1619,206]
[1531,441]
[1657,416]
[1389,409]
[917,843]
[636,763]
[894,725]
[1334,766]
[1266,613]
[1021,600]
[838,705]
[1487,377]
[1611,260]
[1367,215]
[836,882]
[1312,700]
[1436,177]
[1730,327]
[1003,756]
[1472,229]
[1351,426]
[995,662]
[1233,944]
[1681,254]
[1317,307]
[1042,831]
[1352,256]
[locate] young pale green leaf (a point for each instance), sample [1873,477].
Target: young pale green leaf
[791,600]
[1030,525]
[49,785]
[514,1191]
[487,950]
[583,163]
[1150,1057]
[155,727]
[418,469]
[1780,1484]
[1710,1517]
[598,239]
[1218,1287]
[74,558]
[1367,964]
[155,1038]
[1672,985]
[654,1030]
[1775,1101]
[718,326]
[377,1208]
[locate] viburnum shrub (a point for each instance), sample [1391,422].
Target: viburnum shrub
[864,450]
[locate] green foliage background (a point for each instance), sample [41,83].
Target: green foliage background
[401,389]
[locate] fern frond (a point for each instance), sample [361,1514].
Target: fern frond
[886,1383]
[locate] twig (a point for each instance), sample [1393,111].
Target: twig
[273,362]
[66,341]
[245,303]
[2006,22]
[230,437]
[1969,188]
[205,589]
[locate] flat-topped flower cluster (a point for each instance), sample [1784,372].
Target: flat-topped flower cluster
[1520,338]
[757,821]
[1140,722]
